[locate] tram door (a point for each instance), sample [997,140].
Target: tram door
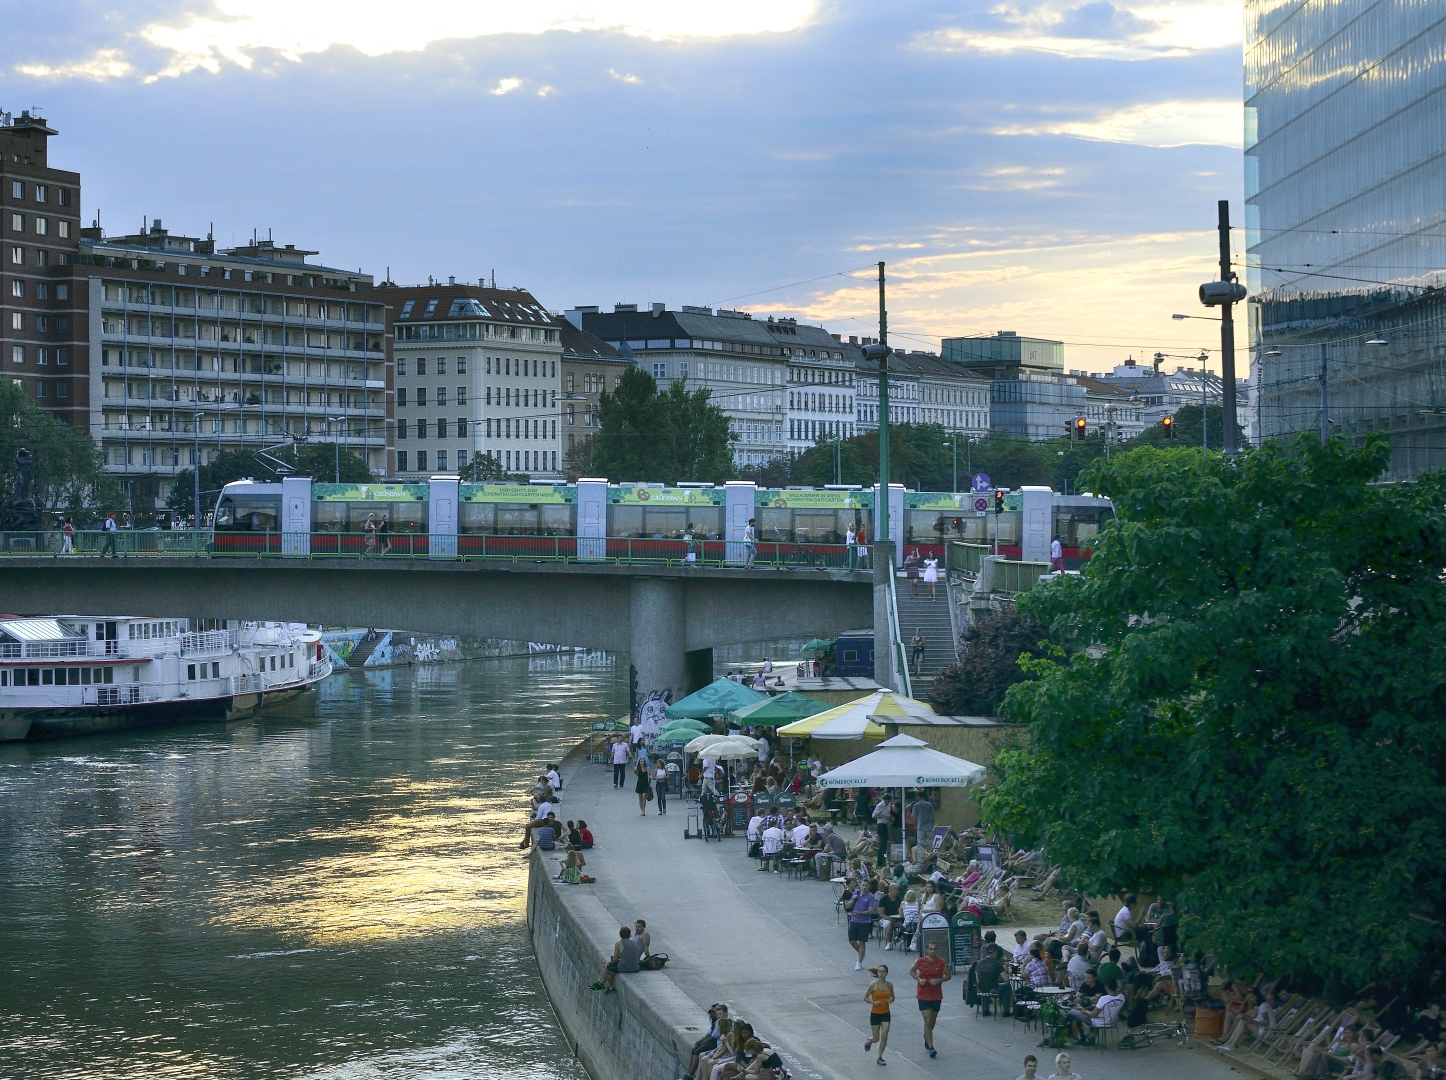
[592,517]
[739,498]
[296,515]
[442,493]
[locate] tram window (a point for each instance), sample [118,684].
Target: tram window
[775,524]
[477,517]
[514,519]
[402,517]
[626,521]
[559,520]
[665,523]
[254,514]
[930,527]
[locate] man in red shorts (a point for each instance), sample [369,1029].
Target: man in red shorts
[931,972]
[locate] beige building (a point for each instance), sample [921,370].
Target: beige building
[478,370]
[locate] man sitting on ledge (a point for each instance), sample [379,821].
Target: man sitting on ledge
[627,954]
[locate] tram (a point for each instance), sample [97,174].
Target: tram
[594,519]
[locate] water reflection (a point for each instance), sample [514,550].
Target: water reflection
[331,890]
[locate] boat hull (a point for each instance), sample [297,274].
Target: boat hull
[101,719]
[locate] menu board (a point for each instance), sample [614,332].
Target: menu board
[965,938]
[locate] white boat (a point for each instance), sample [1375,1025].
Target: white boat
[65,675]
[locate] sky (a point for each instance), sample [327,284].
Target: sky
[1044,166]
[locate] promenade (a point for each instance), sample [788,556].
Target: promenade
[773,950]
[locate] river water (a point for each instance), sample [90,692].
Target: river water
[329,890]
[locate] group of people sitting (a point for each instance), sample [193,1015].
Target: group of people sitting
[731,1048]
[545,830]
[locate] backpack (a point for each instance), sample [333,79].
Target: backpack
[1139,1012]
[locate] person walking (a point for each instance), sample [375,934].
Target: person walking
[384,534]
[1031,1063]
[643,786]
[931,972]
[879,995]
[916,650]
[849,546]
[883,816]
[750,543]
[620,762]
[931,577]
[1056,556]
[369,545]
[862,547]
[67,537]
[660,785]
[1062,1070]
[861,907]
[690,552]
[923,812]
[911,570]
[110,528]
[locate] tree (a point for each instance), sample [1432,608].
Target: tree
[577,459]
[68,474]
[316,460]
[487,469]
[1187,429]
[672,436]
[989,664]
[1243,708]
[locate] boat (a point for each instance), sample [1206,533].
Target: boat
[64,675]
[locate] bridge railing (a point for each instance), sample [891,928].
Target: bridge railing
[622,550]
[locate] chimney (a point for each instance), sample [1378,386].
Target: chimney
[658,309]
[853,339]
[451,279]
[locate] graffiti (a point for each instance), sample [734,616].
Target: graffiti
[651,714]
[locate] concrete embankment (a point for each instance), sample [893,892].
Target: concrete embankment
[646,1029]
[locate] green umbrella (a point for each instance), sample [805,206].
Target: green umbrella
[718,698]
[610,725]
[817,645]
[682,732]
[783,709]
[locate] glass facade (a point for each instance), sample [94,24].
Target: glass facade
[1345,106]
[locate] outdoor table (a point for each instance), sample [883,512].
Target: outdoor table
[1054,1018]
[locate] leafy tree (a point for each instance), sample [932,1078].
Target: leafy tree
[989,664]
[1245,711]
[668,437]
[486,469]
[317,460]
[1187,429]
[577,459]
[68,472]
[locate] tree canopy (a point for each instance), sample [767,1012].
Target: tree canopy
[1243,708]
[989,663]
[68,473]
[669,437]
[316,460]
[1188,430]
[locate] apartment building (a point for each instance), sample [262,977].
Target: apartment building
[589,367]
[923,389]
[822,372]
[40,312]
[478,370]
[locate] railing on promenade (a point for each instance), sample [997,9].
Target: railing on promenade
[621,550]
[1010,575]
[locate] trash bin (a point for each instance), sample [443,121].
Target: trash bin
[1208,1023]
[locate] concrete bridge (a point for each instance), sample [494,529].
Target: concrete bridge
[667,618]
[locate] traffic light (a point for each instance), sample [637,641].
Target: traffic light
[999,502]
[1079,426]
[1169,425]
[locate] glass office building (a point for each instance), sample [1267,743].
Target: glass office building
[1345,178]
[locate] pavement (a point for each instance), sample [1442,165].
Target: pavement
[774,950]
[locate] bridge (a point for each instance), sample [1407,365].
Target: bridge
[667,617]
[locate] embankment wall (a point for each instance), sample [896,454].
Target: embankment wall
[643,1032]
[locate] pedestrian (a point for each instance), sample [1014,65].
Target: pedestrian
[923,813]
[67,537]
[369,527]
[710,775]
[861,907]
[643,786]
[1062,1070]
[863,548]
[110,528]
[660,785]
[1031,1063]
[691,555]
[1056,556]
[883,816]
[750,542]
[620,762]
[916,650]
[911,570]
[384,534]
[931,576]
[879,995]
[849,546]
[931,972]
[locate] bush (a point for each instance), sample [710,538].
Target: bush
[989,664]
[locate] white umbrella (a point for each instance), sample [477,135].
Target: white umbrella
[904,762]
[726,749]
[701,743]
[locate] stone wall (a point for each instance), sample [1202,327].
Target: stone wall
[643,1032]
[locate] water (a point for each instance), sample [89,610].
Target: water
[330,890]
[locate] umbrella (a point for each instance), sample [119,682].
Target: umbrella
[718,698]
[817,645]
[680,733]
[783,709]
[723,749]
[903,762]
[697,727]
[701,744]
[861,719]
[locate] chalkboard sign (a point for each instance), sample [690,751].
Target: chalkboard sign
[741,810]
[935,928]
[965,936]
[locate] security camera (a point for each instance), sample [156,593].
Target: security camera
[877,353]
[1219,293]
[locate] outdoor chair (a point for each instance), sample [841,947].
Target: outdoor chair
[983,997]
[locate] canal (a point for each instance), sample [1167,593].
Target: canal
[331,889]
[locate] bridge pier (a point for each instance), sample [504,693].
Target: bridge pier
[657,636]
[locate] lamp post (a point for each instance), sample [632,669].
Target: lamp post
[954,455]
[1225,294]
[336,443]
[196,468]
[880,354]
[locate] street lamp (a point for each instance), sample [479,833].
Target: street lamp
[336,443]
[954,454]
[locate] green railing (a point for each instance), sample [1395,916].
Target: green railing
[963,558]
[265,544]
[1010,575]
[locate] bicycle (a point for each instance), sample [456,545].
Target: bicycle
[1149,1034]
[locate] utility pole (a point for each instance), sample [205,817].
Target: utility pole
[1325,413]
[883,410]
[1224,294]
[196,468]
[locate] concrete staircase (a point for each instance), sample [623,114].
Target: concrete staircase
[365,648]
[918,612]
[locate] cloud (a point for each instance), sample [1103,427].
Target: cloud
[1097,30]
[1162,124]
[544,91]
[102,64]
[622,76]
[505,86]
[235,31]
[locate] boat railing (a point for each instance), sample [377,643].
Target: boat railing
[123,694]
[50,650]
[319,669]
[205,642]
[246,684]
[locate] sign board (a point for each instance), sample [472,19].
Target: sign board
[981,505]
[369,492]
[519,494]
[965,935]
[641,496]
[741,810]
[935,928]
[980,482]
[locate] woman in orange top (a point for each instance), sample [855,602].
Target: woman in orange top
[879,994]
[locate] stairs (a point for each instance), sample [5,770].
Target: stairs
[919,613]
[365,648]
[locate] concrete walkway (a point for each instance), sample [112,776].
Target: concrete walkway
[774,951]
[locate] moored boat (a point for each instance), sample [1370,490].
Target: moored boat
[66,675]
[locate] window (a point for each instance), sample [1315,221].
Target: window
[421,365]
[17,354]
[17,256]
[402,454]
[461,427]
[42,193]
[42,324]
[441,365]
[461,365]
[42,257]
[660,371]
[406,314]
[488,368]
[421,434]
[461,395]
[401,396]
[570,381]
[488,395]
[441,394]
[62,196]
[401,429]
[683,369]
[442,460]
[402,361]
[421,461]
[42,356]
[441,431]
[431,310]
[17,320]
[41,389]
[17,287]
[17,223]
[17,189]
[42,226]
[421,395]
[42,291]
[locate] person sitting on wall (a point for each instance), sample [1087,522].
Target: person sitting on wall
[585,833]
[626,960]
[717,1015]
